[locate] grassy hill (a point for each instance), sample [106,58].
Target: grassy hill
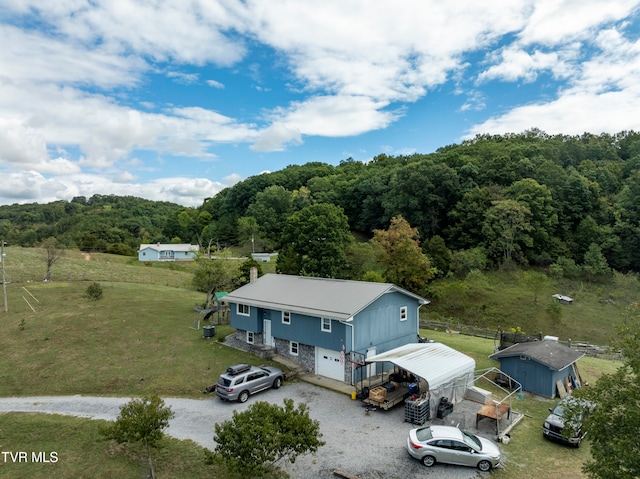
[24,265]
[137,339]
[504,300]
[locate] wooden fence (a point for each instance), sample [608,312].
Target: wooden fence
[588,349]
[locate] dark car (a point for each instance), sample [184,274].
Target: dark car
[241,380]
[555,423]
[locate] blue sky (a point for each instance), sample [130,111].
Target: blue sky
[175,100]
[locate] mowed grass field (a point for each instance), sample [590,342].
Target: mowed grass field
[528,454]
[137,340]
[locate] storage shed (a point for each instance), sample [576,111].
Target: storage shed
[447,372]
[546,368]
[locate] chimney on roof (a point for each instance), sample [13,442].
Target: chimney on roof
[253,274]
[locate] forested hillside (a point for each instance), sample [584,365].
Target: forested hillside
[530,198]
[112,224]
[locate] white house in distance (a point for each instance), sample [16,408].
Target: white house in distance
[167,252]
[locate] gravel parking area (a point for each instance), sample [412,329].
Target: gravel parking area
[371,446]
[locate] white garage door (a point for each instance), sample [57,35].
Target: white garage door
[328,364]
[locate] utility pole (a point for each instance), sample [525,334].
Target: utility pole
[4,283]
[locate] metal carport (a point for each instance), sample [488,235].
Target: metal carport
[447,372]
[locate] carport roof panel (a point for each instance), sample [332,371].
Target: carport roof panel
[436,363]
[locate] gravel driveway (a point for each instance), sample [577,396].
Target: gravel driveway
[371,446]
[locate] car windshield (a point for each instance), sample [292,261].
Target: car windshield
[424,434]
[471,440]
[558,410]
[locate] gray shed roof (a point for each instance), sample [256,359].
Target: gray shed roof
[322,297]
[550,353]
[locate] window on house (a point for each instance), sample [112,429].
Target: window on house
[243,309]
[326,325]
[403,313]
[293,348]
[250,337]
[286,317]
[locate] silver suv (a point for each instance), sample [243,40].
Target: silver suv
[242,380]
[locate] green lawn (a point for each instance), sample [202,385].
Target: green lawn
[529,455]
[502,300]
[79,451]
[137,340]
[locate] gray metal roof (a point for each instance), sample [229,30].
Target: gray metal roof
[322,297]
[169,247]
[550,353]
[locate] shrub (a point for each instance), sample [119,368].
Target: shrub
[94,292]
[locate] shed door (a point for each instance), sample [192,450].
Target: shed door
[328,364]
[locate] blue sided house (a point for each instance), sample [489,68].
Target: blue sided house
[326,325]
[167,252]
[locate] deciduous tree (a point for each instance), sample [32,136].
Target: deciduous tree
[595,264]
[506,229]
[613,424]
[536,282]
[400,255]
[314,242]
[141,421]
[255,440]
[52,252]
[211,275]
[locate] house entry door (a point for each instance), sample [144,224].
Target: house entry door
[266,328]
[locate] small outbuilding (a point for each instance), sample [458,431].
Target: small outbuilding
[563,299]
[546,368]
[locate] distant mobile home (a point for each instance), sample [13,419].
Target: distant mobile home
[167,252]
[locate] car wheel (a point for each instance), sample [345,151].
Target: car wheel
[428,461]
[244,395]
[484,466]
[277,383]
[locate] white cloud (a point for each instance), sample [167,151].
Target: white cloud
[336,116]
[78,102]
[215,84]
[389,51]
[39,58]
[183,78]
[604,96]
[554,22]
[517,64]
[20,144]
[276,136]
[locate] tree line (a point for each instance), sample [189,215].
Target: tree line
[528,198]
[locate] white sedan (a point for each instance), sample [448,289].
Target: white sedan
[450,445]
